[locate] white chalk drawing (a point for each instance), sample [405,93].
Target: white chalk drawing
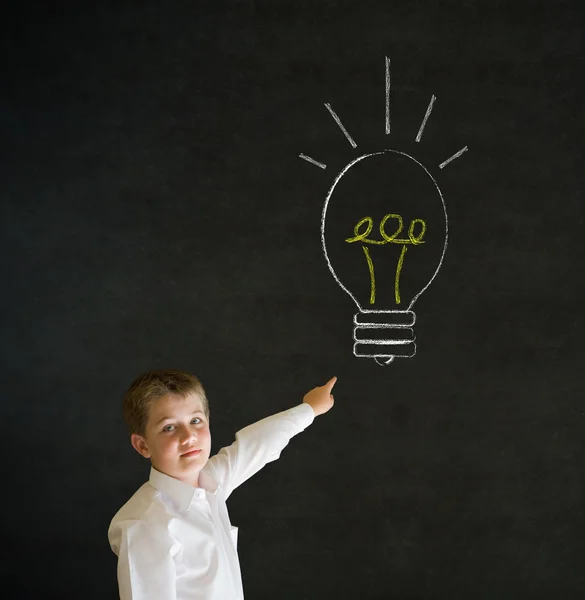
[384,326]
[397,325]
[422,125]
[456,155]
[312,160]
[387,89]
[338,121]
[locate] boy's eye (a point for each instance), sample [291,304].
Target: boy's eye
[195,419]
[168,428]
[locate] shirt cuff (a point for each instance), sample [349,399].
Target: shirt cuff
[303,414]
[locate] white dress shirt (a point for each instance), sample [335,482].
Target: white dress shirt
[175,541]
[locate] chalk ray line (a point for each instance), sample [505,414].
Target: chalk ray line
[456,155]
[338,121]
[312,160]
[424,121]
[387,96]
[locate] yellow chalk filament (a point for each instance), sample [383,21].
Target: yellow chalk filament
[372,276]
[383,233]
[363,236]
[388,239]
[417,239]
[398,270]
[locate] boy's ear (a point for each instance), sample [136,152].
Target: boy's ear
[139,444]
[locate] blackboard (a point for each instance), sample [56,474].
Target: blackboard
[157,212]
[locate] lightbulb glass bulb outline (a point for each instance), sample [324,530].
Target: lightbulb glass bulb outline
[323,225]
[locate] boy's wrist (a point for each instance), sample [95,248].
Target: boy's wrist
[312,407]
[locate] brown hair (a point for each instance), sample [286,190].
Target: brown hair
[149,387]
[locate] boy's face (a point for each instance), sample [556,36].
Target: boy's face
[177,438]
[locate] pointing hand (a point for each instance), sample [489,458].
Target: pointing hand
[320,398]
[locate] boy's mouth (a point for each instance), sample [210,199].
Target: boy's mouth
[194,452]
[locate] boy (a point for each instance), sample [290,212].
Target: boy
[173,538]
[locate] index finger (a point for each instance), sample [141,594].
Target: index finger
[329,385]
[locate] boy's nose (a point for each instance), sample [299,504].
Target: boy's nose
[187,435]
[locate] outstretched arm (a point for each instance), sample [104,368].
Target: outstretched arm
[262,442]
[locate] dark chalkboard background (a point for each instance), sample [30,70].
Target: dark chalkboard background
[155,213]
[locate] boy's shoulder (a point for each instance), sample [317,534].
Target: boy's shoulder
[144,510]
[142,506]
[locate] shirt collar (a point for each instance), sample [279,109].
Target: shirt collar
[181,493]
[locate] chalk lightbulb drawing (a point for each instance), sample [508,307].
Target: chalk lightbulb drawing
[384,231]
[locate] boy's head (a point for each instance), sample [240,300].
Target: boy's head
[153,385]
[167,414]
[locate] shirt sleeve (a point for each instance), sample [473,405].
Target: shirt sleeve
[256,445]
[146,568]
